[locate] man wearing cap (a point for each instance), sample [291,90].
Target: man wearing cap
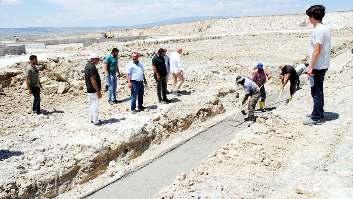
[251,90]
[260,76]
[136,80]
[93,84]
[111,69]
[160,75]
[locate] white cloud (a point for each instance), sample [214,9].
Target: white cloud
[10,2]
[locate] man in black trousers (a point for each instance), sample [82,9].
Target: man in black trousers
[160,75]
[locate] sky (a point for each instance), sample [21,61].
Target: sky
[100,13]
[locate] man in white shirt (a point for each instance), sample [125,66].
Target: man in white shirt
[251,90]
[136,80]
[176,70]
[319,52]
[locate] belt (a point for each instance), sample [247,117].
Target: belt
[136,81]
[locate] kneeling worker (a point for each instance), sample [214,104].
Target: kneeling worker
[251,90]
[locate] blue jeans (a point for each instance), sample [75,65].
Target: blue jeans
[112,86]
[137,92]
[317,92]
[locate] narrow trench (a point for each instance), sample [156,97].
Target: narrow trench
[148,180]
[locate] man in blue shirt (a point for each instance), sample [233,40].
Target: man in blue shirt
[136,80]
[111,69]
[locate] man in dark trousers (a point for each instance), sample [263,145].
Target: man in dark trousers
[160,75]
[33,83]
[136,80]
[319,52]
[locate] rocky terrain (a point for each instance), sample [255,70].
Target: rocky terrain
[61,152]
[279,157]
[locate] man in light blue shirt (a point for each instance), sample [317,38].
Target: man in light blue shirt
[136,80]
[251,90]
[112,72]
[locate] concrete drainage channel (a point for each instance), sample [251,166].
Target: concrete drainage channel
[148,180]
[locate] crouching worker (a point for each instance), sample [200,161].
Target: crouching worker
[288,73]
[93,84]
[251,90]
[260,77]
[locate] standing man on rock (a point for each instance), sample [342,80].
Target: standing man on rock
[176,70]
[94,86]
[111,69]
[136,80]
[260,77]
[33,83]
[160,75]
[251,90]
[319,52]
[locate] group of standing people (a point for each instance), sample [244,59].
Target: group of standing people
[162,64]
[319,53]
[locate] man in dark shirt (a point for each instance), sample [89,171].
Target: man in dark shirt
[160,75]
[33,83]
[288,73]
[93,84]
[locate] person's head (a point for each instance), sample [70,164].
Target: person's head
[33,60]
[316,13]
[240,80]
[94,58]
[161,52]
[260,66]
[135,57]
[180,50]
[115,52]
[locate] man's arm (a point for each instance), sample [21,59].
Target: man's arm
[28,86]
[315,57]
[105,68]
[95,85]
[144,79]
[245,99]
[128,78]
[285,80]
[155,71]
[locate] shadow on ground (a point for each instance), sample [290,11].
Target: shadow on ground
[112,120]
[330,116]
[46,112]
[6,154]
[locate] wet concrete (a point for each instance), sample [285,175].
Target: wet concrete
[147,181]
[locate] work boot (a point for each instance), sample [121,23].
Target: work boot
[262,106]
[311,122]
[250,118]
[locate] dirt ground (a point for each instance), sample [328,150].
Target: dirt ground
[52,154]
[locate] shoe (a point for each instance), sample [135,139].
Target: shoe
[163,102]
[311,122]
[308,115]
[168,101]
[142,108]
[115,101]
[98,123]
[252,119]
[111,103]
[133,112]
